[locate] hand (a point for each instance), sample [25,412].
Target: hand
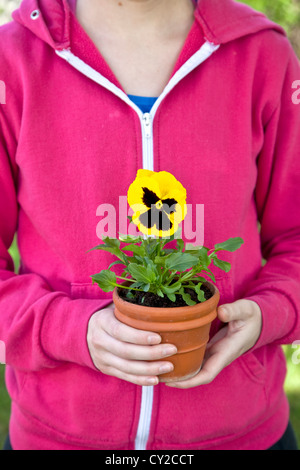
[121,351]
[244,322]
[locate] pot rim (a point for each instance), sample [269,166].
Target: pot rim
[161,313]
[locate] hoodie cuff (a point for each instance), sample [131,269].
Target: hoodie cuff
[278,317]
[64,329]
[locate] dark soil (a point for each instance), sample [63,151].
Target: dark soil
[147,299]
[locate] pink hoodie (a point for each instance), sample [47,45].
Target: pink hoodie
[71,140]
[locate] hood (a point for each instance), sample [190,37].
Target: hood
[47,19]
[222,21]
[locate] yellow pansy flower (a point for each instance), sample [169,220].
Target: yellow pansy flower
[158,201]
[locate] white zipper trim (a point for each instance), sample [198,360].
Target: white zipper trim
[200,56]
[146,120]
[205,51]
[91,73]
[143,430]
[147,141]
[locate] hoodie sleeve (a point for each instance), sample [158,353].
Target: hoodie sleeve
[277,287]
[39,327]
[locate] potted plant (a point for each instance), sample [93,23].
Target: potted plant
[163,286]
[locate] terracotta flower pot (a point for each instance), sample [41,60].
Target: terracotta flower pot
[186,327]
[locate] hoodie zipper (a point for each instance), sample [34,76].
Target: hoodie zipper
[146,120]
[147,139]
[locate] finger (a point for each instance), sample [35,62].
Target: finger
[122,332]
[210,369]
[135,379]
[140,368]
[217,357]
[240,310]
[136,352]
[233,314]
[217,337]
[233,327]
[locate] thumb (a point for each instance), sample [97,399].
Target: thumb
[231,312]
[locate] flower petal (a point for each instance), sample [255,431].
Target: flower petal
[149,198]
[169,205]
[136,190]
[169,186]
[149,188]
[158,218]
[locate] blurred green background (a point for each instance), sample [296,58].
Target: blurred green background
[286,13]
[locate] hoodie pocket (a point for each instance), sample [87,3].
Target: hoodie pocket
[253,365]
[15,381]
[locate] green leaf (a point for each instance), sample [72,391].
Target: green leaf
[112,246]
[198,279]
[190,247]
[224,265]
[136,285]
[172,288]
[139,259]
[201,296]
[152,245]
[203,257]
[130,238]
[113,242]
[201,252]
[159,292]
[175,236]
[211,275]
[129,295]
[114,263]
[142,273]
[160,260]
[232,244]
[171,297]
[180,244]
[181,261]
[187,298]
[106,280]
[199,292]
[138,250]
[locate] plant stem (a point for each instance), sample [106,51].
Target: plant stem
[123,278]
[125,287]
[128,288]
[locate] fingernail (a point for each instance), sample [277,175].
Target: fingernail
[152,381]
[154,339]
[166,368]
[170,351]
[224,311]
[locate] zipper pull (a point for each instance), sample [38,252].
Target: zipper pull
[147,124]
